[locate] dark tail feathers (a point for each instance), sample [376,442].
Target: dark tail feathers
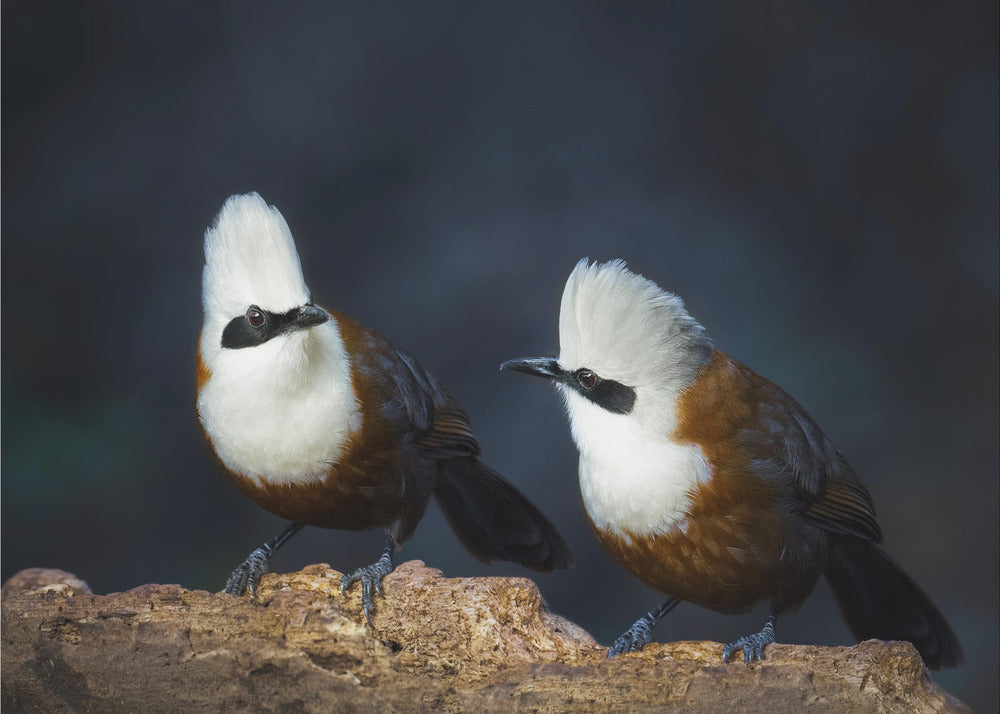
[877,599]
[494,520]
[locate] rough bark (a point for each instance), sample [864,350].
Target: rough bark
[439,644]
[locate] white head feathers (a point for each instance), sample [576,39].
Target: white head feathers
[625,327]
[279,411]
[250,259]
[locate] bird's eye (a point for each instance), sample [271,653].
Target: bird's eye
[586,379]
[255,317]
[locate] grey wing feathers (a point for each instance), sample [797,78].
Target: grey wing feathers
[833,496]
[417,391]
[441,427]
[845,506]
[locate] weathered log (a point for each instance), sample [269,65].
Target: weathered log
[439,644]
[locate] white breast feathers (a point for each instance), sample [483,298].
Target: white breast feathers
[282,412]
[632,481]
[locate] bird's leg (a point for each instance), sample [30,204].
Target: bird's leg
[250,571]
[638,635]
[370,577]
[752,645]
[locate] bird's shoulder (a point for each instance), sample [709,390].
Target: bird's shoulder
[392,382]
[765,428]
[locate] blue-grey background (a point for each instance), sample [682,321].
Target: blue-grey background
[817,180]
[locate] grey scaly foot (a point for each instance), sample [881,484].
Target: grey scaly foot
[248,574]
[634,638]
[639,634]
[250,571]
[752,645]
[370,577]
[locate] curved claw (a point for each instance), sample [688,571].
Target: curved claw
[349,580]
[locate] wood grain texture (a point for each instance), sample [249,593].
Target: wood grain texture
[439,644]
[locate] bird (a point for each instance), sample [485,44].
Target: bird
[708,482]
[324,422]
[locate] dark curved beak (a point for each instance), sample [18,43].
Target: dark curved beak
[308,316]
[546,367]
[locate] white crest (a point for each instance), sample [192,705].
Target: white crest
[250,258]
[627,328]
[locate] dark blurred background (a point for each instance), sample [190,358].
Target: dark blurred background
[818,181]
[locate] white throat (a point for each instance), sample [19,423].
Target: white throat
[281,412]
[633,480]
